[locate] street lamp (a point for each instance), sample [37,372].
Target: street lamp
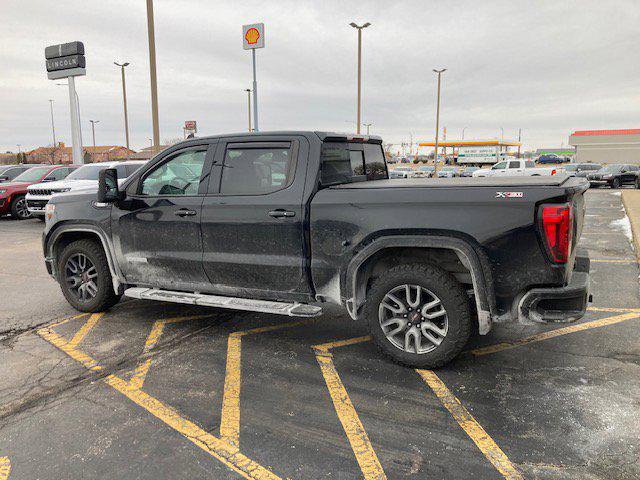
[248,90]
[53,127]
[439,72]
[124,98]
[463,132]
[359,28]
[153,75]
[93,131]
[502,134]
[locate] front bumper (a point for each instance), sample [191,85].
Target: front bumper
[599,182]
[559,304]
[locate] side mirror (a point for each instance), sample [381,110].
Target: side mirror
[108,186]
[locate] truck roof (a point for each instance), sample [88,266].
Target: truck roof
[323,136]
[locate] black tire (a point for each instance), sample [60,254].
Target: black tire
[105,297]
[19,208]
[615,183]
[453,298]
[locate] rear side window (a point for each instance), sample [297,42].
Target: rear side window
[530,164]
[375,166]
[58,174]
[256,171]
[514,164]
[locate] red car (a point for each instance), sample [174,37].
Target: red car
[12,194]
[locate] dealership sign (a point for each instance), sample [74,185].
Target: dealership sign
[65,60]
[253,36]
[486,154]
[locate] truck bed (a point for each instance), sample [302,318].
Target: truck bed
[541,181]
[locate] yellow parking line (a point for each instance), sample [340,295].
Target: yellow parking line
[469,424]
[555,333]
[341,343]
[357,435]
[141,371]
[79,356]
[65,320]
[230,417]
[5,468]
[85,329]
[228,454]
[611,309]
[614,260]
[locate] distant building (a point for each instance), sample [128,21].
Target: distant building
[607,146]
[62,154]
[147,153]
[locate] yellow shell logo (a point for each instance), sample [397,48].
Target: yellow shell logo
[252,36]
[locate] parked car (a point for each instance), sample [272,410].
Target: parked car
[424,171]
[401,172]
[85,177]
[614,176]
[12,194]
[411,258]
[446,172]
[468,171]
[9,172]
[551,158]
[515,168]
[581,169]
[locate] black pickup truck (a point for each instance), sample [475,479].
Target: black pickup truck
[285,222]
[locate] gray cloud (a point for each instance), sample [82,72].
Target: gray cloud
[547,67]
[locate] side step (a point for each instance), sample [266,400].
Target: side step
[281,308]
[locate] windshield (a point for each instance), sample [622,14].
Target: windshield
[571,168]
[611,169]
[88,172]
[32,175]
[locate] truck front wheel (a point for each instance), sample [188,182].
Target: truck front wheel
[418,315]
[84,276]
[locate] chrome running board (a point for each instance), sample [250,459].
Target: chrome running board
[248,304]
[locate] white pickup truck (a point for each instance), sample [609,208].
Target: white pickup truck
[514,167]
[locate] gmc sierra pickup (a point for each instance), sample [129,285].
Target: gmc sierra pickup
[285,222]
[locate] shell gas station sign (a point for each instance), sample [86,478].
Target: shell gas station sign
[253,36]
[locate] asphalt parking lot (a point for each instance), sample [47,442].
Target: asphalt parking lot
[151,390]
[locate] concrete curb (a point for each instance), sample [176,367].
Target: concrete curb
[631,202]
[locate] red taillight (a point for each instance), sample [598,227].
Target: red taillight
[557,227]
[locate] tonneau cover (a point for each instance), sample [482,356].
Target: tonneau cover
[542,181]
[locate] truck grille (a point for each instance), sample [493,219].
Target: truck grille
[41,191]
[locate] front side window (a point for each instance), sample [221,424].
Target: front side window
[179,176]
[256,171]
[499,166]
[57,174]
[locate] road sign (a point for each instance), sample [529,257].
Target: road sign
[190,125]
[63,50]
[253,36]
[66,63]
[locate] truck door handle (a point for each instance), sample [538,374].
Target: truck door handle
[281,213]
[184,212]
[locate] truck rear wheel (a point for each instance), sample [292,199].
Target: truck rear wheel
[418,315]
[84,277]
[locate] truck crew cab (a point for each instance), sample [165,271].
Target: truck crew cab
[285,222]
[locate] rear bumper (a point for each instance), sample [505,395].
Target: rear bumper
[559,304]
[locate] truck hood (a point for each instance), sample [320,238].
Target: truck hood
[12,186]
[72,184]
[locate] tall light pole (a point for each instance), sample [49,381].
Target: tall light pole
[53,127]
[359,28]
[154,80]
[248,90]
[439,72]
[502,134]
[124,98]
[463,132]
[93,132]
[367,125]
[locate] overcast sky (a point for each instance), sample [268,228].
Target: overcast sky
[547,67]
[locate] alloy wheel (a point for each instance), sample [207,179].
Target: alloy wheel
[413,319]
[81,276]
[21,208]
